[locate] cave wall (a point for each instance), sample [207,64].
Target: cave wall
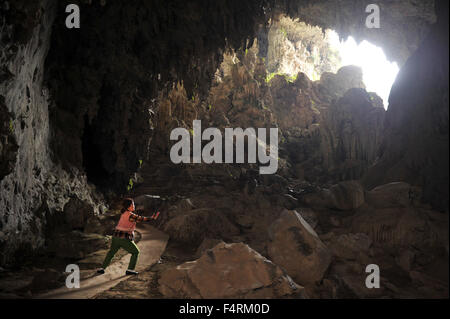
[107,76]
[415,143]
[33,188]
[25,37]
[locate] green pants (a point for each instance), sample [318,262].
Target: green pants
[126,244]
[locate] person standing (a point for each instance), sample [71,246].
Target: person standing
[123,236]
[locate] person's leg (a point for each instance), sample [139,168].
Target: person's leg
[115,246]
[131,247]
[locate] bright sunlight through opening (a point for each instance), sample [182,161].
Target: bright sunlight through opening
[378,73]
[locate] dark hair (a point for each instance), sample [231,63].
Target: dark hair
[126,203]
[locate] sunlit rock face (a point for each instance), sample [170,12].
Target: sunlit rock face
[415,143]
[295,47]
[327,133]
[408,22]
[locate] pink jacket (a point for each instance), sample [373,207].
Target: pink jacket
[125,224]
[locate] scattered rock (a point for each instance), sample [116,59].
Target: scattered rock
[399,227]
[77,245]
[405,260]
[393,195]
[244,220]
[347,195]
[351,246]
[348,280]
[47,279]
[287,201]
[309,216]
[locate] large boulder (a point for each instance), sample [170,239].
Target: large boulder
[333,86]
[102,224]
[228,271]
[310,216]
[402,227]
[193,226]
[350,134]
[76,244]
[398,194]
[47,279]
[295,246]
[147,203]
[207,243]
[351,246]
[77,212]
[347,195]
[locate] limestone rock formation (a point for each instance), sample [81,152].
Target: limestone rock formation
[407,21]
[351,246]
[33,187]
[295,47]
[229,271]
[76,245]
[8,144]
[397,194]
[415,139]
[351,135]
[191,227]
[295,246]
[77,213]
[402,227]
[345,195]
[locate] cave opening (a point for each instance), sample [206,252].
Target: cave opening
[92,161]
[378,72]
[295,46]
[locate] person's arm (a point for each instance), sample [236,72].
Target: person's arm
[138,218]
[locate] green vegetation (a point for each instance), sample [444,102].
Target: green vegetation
[292,78]
[284,32]
[130,185]
[288,78]
[270,76]
[140,163]
[11,126]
